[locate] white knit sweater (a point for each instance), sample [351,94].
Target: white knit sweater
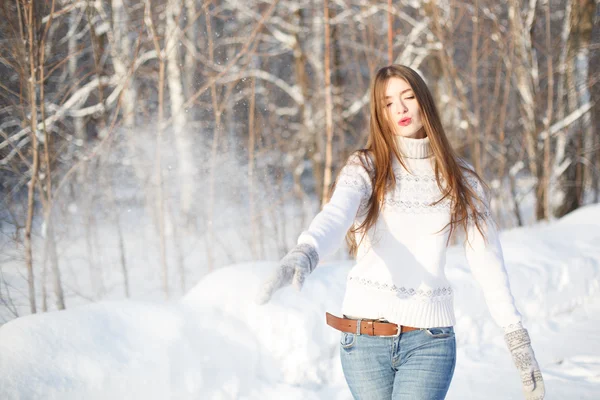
[399,274]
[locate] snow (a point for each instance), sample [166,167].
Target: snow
[216,343]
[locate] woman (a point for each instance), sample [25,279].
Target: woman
[397,202]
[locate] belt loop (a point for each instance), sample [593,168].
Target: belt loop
[358,324]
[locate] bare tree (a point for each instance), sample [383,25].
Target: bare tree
[328,105]
[525,70]
[390,33]
[46,194]
[74,21]
[593,81]
[251,149]
[185,161]
[28,20]
[160,202]
[569,164]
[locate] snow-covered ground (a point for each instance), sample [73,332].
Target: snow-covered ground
[216,343]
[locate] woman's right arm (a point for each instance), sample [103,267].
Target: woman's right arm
[329,227]
[326,231]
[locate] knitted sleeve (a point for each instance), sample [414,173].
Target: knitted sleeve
[350,197]
[484,255]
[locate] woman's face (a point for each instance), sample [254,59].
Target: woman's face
[402,109]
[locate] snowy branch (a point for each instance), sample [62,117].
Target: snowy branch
[292,91]
[568,120]
[69,108]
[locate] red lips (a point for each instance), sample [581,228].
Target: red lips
[404,121]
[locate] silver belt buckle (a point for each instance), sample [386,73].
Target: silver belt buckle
[398,330]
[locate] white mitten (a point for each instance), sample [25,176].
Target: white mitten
[519,344]
[293,268]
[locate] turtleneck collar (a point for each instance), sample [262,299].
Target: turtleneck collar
[414,148]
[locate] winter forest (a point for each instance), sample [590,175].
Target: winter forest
[145,144]
[159,157]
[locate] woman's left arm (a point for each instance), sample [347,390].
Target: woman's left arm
[485,258]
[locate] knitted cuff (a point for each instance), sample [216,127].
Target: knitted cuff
[517,339]
[310,252]
[512,327]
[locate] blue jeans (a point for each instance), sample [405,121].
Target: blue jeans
[417,365]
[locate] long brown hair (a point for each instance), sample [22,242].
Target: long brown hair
[450,173]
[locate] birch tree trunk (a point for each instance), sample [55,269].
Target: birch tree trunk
[53,255]
[120,237]
[524,70]
[561,137]
[190,53]
[46,183]
[183,143]
[98,48]
[254,237]
[178,113]
[120,52]
[29,20]
[546,173]
[160,204]
[210,239]
[160,201]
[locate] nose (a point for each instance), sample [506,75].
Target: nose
[401,108]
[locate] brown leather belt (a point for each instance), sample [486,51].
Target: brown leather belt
[367,326]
